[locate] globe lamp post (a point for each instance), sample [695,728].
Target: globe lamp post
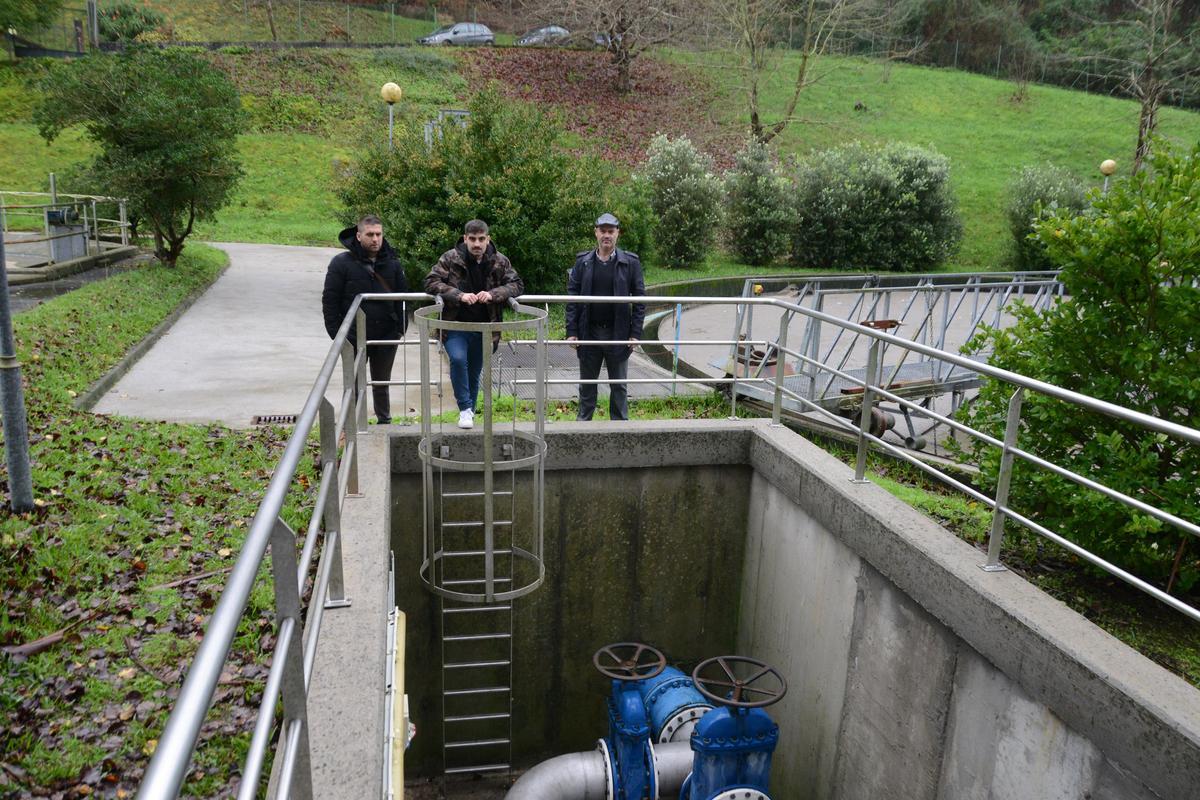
[1107,168]
[391,95]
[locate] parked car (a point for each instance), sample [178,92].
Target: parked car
[547,36]
[460,33]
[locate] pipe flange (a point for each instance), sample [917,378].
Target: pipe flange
[741,794]
[653,771]
[609,791]
[677,723]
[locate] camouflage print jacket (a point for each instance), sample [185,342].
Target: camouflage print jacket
[448,279]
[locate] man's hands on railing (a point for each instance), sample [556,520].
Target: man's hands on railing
[478,297]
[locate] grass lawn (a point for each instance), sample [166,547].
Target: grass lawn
[124,556]
[972,119]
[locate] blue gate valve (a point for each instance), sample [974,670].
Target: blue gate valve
[733,744]
[627,747]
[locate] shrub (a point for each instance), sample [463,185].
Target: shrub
[166,124]
[756,206]
[124,22]
[1039,192]
[1125,333]
[507,167]
[685,196]
[874,208]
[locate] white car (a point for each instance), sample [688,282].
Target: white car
[460,33]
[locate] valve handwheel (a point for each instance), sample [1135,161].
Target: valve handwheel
[629,661]
[764,681]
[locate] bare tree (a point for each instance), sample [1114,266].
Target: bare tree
[625,28]
[1147,56]
[761,30]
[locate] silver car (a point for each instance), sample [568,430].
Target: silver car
[460,33]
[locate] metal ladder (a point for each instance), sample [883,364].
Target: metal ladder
[476,638]
[478,554]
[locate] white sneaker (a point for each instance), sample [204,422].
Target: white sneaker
[466,419]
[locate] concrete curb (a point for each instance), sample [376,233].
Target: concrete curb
[19,276]
[88,399]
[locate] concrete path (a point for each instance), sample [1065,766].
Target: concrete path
[253,344]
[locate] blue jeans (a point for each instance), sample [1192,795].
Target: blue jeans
[465,350]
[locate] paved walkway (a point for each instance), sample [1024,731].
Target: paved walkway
[253,344]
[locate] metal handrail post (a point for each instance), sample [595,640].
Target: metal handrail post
[868,402]
[96,226]
[336,595]
[1004,479]
[780,372]
[123,213]
[294,690]
[675,358]
[539,390]
[349,428]
[814,342]
[427,544]
[489,509]
[361,384]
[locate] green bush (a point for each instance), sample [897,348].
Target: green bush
[507,167]
[685,196]
[756,207]
[1125,333]
[874,208]
[1039,192]
[124,22]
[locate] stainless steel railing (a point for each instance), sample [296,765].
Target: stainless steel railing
[84,211]
[298,629]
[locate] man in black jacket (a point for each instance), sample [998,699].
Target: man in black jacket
[369,267]
[610,272]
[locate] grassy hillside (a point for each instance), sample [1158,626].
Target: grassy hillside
[312,110]
[970,118]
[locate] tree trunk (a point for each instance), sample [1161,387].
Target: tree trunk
[271,21]
[624,62]
[1147,122]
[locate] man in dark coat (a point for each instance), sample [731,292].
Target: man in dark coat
[610,272]
[369,266]
[475,281]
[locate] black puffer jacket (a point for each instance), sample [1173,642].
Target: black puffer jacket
[349,275]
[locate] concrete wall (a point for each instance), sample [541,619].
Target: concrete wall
[912,673]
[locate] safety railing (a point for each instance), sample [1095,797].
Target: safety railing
[298,623]
[875,387]
[299,628]
[48,212]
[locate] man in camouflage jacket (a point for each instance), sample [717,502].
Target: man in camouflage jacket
[475,281]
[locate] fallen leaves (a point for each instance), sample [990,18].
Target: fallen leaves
[581,84]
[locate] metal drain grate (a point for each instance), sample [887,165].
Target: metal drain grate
[273,419]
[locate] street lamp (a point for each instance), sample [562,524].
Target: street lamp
[391,95]
[1107,168]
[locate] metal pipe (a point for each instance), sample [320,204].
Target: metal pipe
[12,402]
[584,776]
